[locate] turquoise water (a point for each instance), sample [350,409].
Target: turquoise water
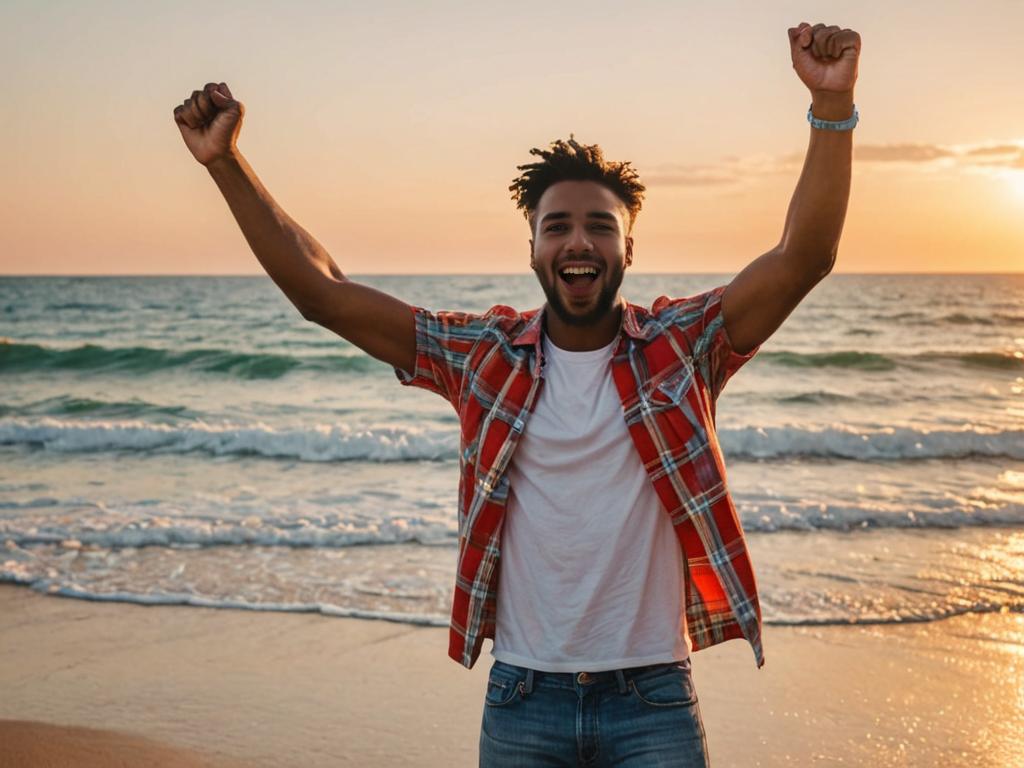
[193,439]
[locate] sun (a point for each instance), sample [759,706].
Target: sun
[1015,180]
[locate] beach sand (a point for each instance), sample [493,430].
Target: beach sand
[192,686]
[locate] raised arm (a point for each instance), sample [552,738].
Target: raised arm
[764,294]
[379,324]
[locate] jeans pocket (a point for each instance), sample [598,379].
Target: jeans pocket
[502,689]
[670,686]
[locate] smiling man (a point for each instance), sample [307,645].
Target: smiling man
[580,246]
[598,543]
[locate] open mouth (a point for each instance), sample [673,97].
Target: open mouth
[578,280]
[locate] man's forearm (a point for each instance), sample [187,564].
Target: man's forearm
[295,261]
[816,213]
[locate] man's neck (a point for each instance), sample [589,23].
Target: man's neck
[579,338]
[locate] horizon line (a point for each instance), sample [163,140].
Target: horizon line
[452,274]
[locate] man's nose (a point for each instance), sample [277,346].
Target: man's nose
[579,241]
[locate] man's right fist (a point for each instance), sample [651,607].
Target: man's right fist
[209,122]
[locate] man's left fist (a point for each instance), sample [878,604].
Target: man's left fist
[825,57]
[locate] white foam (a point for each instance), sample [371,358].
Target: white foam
[318,442]
[892,443]
[133,526]
[177,598]
[907,615]
[342,442]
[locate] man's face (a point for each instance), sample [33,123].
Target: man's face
[580,223]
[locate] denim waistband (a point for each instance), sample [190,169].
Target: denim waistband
[570,679]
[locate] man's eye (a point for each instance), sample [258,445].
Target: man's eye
[596,226]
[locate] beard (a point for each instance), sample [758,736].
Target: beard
[599,310]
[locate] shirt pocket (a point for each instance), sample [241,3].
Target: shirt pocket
[674,410]
[669,389]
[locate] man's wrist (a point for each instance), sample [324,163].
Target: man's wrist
[832,105]
[229,160]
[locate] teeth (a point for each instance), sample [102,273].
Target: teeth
[579,271]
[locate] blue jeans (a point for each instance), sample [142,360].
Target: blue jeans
[641,716]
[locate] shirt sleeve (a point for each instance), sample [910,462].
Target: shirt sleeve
[443,343]
[713,354]
[699,320]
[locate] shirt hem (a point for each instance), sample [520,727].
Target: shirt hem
[587,666]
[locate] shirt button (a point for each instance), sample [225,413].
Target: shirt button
[583,678]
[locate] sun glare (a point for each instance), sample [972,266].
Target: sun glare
[1015,180]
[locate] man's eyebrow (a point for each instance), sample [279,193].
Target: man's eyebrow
[591,215]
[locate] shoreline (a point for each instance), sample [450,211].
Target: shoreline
[282,689]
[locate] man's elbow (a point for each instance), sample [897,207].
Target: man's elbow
[308,313]
[830,262]
[310,317]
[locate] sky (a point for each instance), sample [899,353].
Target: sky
[391,130]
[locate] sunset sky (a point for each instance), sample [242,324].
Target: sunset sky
[392,130]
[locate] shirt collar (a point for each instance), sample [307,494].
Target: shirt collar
[633,317]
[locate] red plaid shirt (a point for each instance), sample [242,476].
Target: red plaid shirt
[669,367]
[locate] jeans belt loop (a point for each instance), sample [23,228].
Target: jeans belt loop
[529,681]
[622,680]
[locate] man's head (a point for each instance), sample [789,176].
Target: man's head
[581,211]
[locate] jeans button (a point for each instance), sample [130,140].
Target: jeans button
[582,678]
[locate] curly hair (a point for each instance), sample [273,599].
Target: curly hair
[572,161]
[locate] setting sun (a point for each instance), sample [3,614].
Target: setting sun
[1015,180]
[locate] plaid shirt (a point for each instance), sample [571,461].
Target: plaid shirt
[669,367]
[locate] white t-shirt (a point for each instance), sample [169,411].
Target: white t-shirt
[591,571]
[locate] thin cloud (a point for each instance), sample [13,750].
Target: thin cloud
[900,153]
[699,177]
[998,149]
[733,170]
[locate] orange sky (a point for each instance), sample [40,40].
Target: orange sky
[391,132]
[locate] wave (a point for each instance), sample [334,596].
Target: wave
[413,443]
[183,598]
[70,405]
[891,443]
[76,524]
[314,443]
[877,361]
[84,306]
[908,615]
[819,397]
[916,616]
[21,358]
[953,318]
[760,515]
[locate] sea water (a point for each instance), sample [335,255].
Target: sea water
[194,440]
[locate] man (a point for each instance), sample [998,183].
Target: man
[592,485]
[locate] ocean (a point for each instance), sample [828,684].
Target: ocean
[192,440]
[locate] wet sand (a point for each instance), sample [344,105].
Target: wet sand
[210,686]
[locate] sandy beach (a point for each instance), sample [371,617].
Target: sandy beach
[197,686]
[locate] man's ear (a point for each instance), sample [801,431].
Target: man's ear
[629,251]
[533,265]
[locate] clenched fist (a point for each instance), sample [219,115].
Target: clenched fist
[209,122]
[825,57]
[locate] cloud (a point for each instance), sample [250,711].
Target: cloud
[998,149]
[697,177]
[901,153]
[729,171]
[733,170]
